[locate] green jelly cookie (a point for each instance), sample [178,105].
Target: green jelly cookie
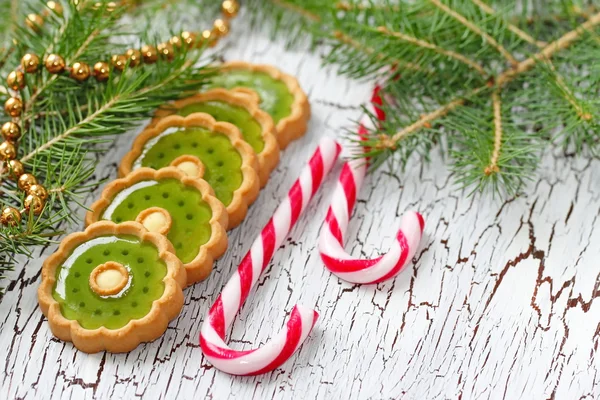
[79,302]
[241,110]
[275,97]
[238,116]
[167,202]
[111,287]
[201,148]
[280,95]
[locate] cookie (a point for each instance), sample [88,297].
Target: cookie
[201,148]
[255,125]
[280,94]
[170,203]
[111,287]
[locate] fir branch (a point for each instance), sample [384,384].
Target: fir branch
[476,29]
[347,40]
[67,122]
[430,46]
[426,120]
[502,80]
[492,168]
[490,121]
[514,29]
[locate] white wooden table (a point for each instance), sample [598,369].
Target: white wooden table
[500,302]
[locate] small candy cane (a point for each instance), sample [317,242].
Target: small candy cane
[331,241]
[302,319]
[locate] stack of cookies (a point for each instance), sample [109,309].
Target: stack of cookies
[190,176]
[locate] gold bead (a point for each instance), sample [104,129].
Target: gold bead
[220,27]
[10,216]
[25,181]
[101,71]
[166,50]
[135,57]
[15,168]
[119,61]
[33,204]
[111,6]
[13,106]
[8,151]
[11,131]
[176,41]
[80,71]
[55,64]
[149,54]
[34,21]
[230,8]
[56,7]
[189,38]
[16,80]
[30,63]
[209,38]
[39,191]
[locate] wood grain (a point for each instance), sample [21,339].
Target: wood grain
[500,302]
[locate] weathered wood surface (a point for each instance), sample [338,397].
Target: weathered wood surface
[500,303]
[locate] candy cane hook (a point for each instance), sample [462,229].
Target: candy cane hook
[331,241]
[235,292]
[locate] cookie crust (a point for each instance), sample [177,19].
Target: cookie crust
[294,125]
[136,331]
[243,196]
[201,266]
[268,158]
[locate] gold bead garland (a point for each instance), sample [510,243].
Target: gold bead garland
[55,64]
[101,71]
[13,107]
[80,71]
[16,169]
[37,194]
[30,63]
[10,216]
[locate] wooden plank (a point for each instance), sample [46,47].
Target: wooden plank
[500,302]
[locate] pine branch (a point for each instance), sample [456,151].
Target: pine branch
[502,80]
[67,122]
[426,45]
[493,127]
[347,40]
[492,168]
[476,29]
[514,29]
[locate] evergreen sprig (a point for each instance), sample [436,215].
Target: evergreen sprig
[65,122]
[496,81]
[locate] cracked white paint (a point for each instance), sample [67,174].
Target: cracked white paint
[499,304]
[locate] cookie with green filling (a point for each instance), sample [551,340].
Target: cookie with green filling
[170,203]
[256,126]
[111,287]
[280,95]
[202,148]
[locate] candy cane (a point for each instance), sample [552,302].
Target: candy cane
[302,319]
[331,241]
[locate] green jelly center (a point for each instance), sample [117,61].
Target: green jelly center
[222,162]
[79,302]
[238,116]
[190,215]
[275,97]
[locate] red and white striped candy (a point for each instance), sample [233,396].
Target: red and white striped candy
[331,241]
[302,319]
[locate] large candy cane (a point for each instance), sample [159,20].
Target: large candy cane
[331,241]
[302,319]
